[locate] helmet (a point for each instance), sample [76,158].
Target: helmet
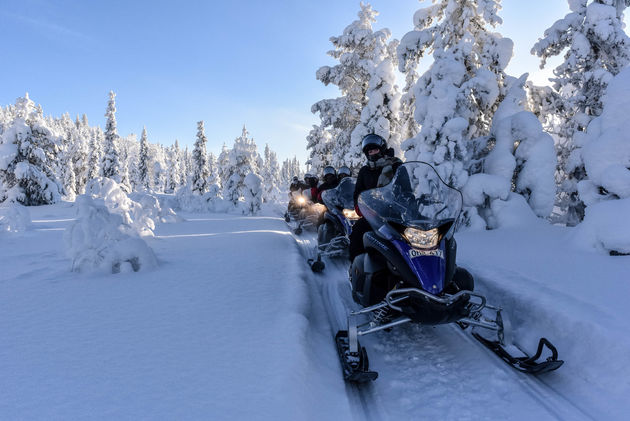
[329,170]
[371,142]
[330,174]
[344,172]
[295,179]
[307,176]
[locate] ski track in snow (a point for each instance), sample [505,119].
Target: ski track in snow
[437,372]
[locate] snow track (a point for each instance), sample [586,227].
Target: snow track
[436,372]
[327,292]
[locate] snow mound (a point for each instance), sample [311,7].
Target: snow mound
[97,241]
[212,201]
[603,229]
[136,219]
[14,218]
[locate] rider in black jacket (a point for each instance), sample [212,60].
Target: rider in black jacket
[378,172]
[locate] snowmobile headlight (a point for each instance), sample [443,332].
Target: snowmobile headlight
[422,239]
[301,200]
[350,214]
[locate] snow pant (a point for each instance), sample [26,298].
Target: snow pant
[360,227]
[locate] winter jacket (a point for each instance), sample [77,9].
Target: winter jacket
[323,187]
[375,175]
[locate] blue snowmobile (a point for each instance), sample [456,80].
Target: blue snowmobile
[334,232]
[408,273]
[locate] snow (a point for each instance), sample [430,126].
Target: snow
[232,324]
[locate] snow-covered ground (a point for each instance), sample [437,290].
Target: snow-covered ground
[233,325]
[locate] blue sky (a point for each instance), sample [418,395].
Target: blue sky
[228,63]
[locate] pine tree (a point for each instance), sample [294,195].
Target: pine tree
[223,165]
[96,153]
[597,48]
[27,170]
[200,163]
[144,166]
[243,160]
[110,164]
[359,50]
[456,97]
[174,168]
[270,175]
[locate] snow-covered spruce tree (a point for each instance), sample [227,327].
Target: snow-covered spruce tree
[174,170]
[359,51]
[80,155]
[597,48]
[252,193]
[457,96]
[213,170]
[520,164]
[200,163]
[128,148]
[66,173]
[145,173]
[244,160]
[319,141]
[270,173]
[27,151]
[96,153]
[110,164]
[223,165]
[381,113]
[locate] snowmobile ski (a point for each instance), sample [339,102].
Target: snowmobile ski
[526,364]
[316,264]
[355,365]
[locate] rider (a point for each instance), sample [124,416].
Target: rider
[330,182]
[379,171]
[295,186]
[310,186]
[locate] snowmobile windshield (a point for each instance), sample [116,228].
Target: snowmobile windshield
[341,196]
[416,197]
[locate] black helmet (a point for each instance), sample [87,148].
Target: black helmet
[344,172]
[373,141]
[329,170]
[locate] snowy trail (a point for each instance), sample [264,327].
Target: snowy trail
[437,372]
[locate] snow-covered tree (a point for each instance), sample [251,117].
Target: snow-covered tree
[200,162]
[110,165]
[252,193]
[27,156]
[96,153]
[381,113]
[244,160]
[145,173]
[595,49]
[174,170]
[223,165]
[320,143]
[359,51]
[606,148]
[456,97]
[270,173]
[521,162]
[213,170]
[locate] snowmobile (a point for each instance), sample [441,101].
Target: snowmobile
[302,212]
[333,234]
[408,273]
